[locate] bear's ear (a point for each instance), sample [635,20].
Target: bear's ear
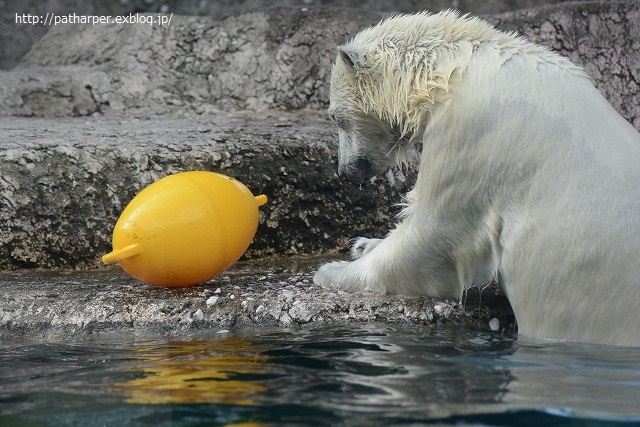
[353,59]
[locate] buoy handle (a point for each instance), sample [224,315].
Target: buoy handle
[120,254]
[261,199]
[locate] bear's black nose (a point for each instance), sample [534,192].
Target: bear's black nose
[359,171]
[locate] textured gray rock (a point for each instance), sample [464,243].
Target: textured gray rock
[277,58]
[279,292]
[64,183]
[15,39]
[273,59]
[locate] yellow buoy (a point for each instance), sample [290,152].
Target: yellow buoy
[185,228]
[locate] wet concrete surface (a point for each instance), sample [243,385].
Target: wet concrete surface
[276,291]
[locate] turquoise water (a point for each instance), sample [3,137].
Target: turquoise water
[363,375]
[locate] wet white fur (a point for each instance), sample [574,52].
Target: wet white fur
[526,174]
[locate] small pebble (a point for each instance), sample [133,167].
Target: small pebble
[217,291]
[494,324]
[285,318]
[223,331]
[232,296]
[438,309]
[211,301]
[260,309]
[198,315]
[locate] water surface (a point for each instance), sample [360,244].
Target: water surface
[360,374]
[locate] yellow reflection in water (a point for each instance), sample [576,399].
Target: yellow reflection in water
[197,372]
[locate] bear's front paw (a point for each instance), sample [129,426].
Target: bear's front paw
[362,246]
[330,275]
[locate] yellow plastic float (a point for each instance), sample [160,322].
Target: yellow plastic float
[185,229]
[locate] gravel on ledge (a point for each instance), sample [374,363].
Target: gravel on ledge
[278,291]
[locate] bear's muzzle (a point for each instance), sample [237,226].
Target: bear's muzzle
[358,171]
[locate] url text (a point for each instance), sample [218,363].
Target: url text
[52,18]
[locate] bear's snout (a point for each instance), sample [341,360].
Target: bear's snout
[359,170]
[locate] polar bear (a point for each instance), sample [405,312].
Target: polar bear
[526,175]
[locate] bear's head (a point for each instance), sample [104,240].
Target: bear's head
[389,81]
[369,141]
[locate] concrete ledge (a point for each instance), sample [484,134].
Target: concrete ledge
[269,292]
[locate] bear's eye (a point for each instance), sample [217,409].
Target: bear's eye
[332,116]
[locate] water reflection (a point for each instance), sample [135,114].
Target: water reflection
[221,372]
[393,371]
[413,373]
[594,380]
[361,374]
[405,373]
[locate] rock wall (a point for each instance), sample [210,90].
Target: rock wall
[17,39]
[278,58]
[274,59]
